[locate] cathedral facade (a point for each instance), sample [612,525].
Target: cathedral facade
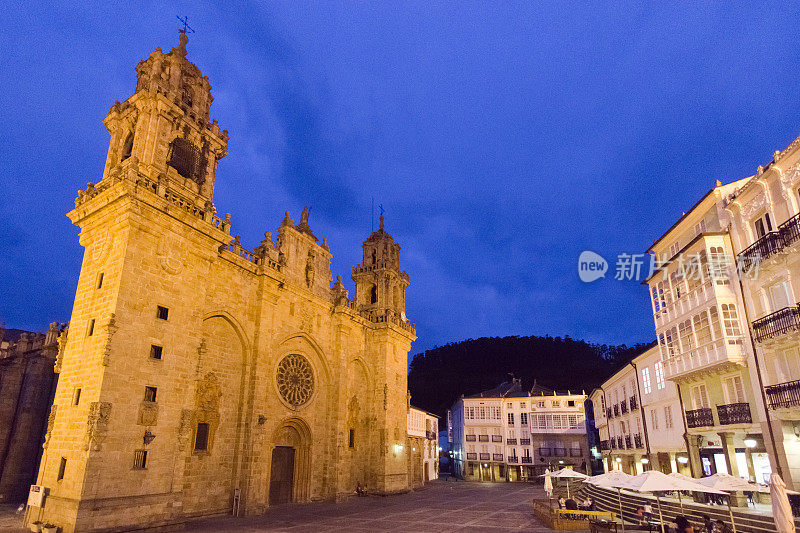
[197,377]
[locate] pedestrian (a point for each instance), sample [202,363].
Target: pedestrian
[683,525]
[648,512]
[721,527]
[640,514]
[708,524]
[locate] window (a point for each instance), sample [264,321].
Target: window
[150,394]
[523,419]
[510,405]
[522,405]
[654,418]
[510,419]
[571,403]
[699,397]
[700,227]
[668,416]
[675,248]
[702,328]
[646,380]
[713,317]
[671,340]
[76,396]
[734,389]
[556,403]
[655,299]
[201,437]
[687,337]
[676,280]
[762,225]
[100,281]
[140,459]
[127,148]
[352,441]
[187,160]
[603,403]
[91,328]
[541,404]
[730,320]
[62,466]
[659,368]
[779,296]
[155,351]
[373,294]
[162,312]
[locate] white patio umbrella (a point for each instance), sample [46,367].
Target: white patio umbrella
[781,510]
[548,483]
[681,476]
[566,473]
[612,480]
[729,483]
[656,481]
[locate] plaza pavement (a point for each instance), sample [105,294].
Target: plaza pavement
[439,506]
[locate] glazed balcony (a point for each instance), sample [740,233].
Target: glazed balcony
[634,404]
[623,406]
[699,418]
[776,324]
[717,354]
[734,413]
[783,394]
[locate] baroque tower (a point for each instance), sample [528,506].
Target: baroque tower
[197,374]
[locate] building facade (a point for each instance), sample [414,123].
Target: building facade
[638,416]
[422,447]
[198,376]
[507,434]
[27,385]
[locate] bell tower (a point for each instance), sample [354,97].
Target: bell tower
[380,284]
[165,126]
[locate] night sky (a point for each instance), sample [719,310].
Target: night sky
[501,138]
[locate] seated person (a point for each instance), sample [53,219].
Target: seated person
[571,505]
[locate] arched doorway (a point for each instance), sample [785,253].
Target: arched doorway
[290,464]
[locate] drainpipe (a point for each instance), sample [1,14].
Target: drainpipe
[641,413]
[763,394]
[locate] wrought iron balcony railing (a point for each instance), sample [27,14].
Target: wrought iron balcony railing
[513,459]
[527,459]
[777,323]
[699,418]
[524,442]
[470,438]
[483,438]
[637,440]
[604,445]
[628,442]
[497,457]
[485,456]
[762,249]
[634,404]
[613,443]
[734,413]
[472,456]
[623,406]
[790,230]
[616,409]
[511,442]
[620,443]
[497,438]
[783,394]
[609,413]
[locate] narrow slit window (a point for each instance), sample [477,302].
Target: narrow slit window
[140,459]
[352,443]
[100,281]
[155,351]
[150,394]
[162,312]
[62,467]
[201,437]
[91,328]
[76,397]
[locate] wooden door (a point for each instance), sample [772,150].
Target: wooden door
[281,478]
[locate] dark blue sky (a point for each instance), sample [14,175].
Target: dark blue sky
[502,138]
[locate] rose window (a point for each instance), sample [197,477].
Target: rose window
[295,379]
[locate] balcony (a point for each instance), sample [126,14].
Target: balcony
[613,442]
[544,452]
[637,440]
[527,460]
[472,456]
[623,406]
[470,438]
[485,456]
[483,438]
[633,403]
[608,413]
[574,452]
[430,434]
[524,442]
[783,394]
[513,459]
[604,445]
[616,409]
[497,457]
[497,438]
[723,352]
[511,442]
[764,248]
[777,323]
[620,444]
[734,413]
[699,418]
[560,452]
[628,442]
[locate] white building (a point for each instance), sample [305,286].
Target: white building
[638,416]
[509,434]
[423,446]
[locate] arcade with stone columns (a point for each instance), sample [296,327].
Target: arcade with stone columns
[197,375]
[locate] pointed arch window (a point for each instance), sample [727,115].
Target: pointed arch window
[127,147]
[187,159]
[373,294]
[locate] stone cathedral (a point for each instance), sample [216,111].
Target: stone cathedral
[197,377]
